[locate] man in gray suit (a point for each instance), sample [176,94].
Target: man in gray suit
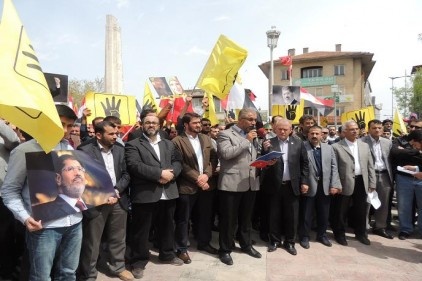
[237,184]
[323,182]
[380,151]
[357,177]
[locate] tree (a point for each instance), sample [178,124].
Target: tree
[416,100]
[78,88]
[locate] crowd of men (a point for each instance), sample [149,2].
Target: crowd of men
[172,184]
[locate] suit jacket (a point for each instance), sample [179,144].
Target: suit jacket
[298,167]
[330,177]
[386,146]
[190,168]
[346,166]
[122,176]
[58,208]
[236,153]
[145,169]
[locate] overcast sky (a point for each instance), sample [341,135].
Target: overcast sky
[175,37]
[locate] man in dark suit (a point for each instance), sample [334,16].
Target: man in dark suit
[380,150]
[323,182]
[237,184]
[153,165]
[110,219]
[70,179]
[195,188]
[283,183]
[357,177]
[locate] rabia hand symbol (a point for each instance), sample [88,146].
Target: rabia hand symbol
[291,112]
[113,108]
[360,120]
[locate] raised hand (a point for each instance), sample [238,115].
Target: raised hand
[113,108]
[291,112]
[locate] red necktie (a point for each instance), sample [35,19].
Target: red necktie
[80,205]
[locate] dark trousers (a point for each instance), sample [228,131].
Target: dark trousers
[201,204]
[110,224]
[321,203]
[283,214]
[340,208]
[236,208]
[142,216]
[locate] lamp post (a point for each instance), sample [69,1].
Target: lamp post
[334,91]
[392,91]
[272,39]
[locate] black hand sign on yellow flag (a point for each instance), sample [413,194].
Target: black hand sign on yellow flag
[102,105]
[290,112]
[25,99]
[361,116]
[219,74]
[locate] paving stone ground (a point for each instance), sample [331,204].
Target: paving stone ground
[383,260]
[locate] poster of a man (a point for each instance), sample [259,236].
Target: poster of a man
[285,95]
[161,86]
[65,182]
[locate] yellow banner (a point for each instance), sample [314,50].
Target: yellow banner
[210,111]
[290,112]
[361,116]
[222,66]
[103,105]
[25,98]
[149,100]
[399,128]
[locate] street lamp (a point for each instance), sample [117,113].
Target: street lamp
[392,91]
[334,91]
[272,39]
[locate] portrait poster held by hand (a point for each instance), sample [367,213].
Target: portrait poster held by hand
[65,182]
[102,105]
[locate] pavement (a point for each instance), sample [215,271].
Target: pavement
[384,260]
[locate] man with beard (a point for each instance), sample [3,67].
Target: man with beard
[206,126]
[70,179]
[107,220]
[195,189]
[237,184]
[153,164]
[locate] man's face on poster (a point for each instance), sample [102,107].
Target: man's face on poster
[287,95]
[71,180]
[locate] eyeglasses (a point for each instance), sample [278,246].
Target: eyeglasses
[73,168]
[250,119]
[415,127]
[148,123]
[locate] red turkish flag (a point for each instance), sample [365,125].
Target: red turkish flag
[286,60]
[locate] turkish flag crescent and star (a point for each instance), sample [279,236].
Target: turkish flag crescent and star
[286,60]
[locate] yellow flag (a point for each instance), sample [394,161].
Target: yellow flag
[290,112]
[361,116]
[222,66]
[103,105]
[149,100]
[210,111]
[399,128]
[25,99]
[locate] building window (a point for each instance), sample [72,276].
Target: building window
[308,111]
[285,74]
[312,72]
[339,70]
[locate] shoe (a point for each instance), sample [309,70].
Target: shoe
[226,258]
[209,249]
[403,235]
[290,248]
[273,246]
[125,275]
[138,272]
[252,252]
[174,261]
[363,240]
[185,257]
[304,242]
[341,240]
[381,232]
[324,241]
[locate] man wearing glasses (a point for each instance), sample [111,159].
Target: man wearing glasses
[237,184]
[206,126]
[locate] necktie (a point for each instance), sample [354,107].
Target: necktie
[80,205]
[317,157]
